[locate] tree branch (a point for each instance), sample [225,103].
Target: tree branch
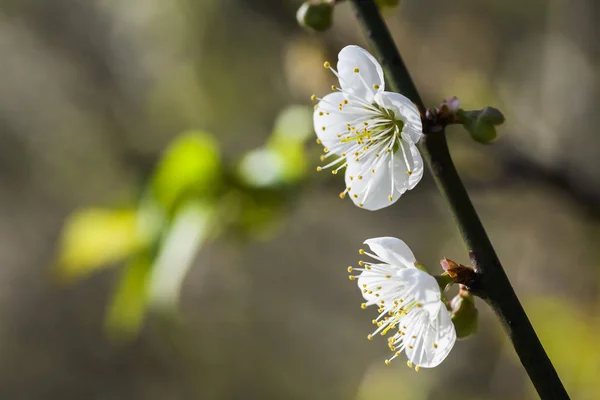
[492,283]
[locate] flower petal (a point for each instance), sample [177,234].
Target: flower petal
[392,251]
[370,73]
[424,289]
[407,111]
[435,341]
[416,168]
[371,190]
[329,117]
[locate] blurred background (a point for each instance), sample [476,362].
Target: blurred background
[163,233]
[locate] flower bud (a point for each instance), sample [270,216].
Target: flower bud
[464,314]
[315,15]
[481,123]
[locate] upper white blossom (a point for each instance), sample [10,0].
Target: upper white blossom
[371,132]
[410,304]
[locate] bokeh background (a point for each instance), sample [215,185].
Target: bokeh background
[92,92]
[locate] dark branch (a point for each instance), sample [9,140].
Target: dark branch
[492,284]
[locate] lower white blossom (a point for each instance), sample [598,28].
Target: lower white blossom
[371,132]
[410,304]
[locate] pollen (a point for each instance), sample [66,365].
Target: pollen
[352,277]
[409,364]
[343,195]
[375,86]
[323,128]
[361,251]
[363,305]
[313,97]
[333,87]
[327,64]
[349,269]
[319,169]
[409,172]
[417,368]
[370,337]
[360,177]
[361,204]
[387,362]
[356,70]
[390,198]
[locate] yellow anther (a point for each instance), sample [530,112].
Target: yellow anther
[361,204]
[356,70]
[363,305]
[352,277]
[410,346]
[435,345]
[374,322]
[388,276]
[370,292]
[323,128]
[390,198]
[360,177]
[316,107]
[355,196]
[409,172]
[419,305]
[361,252]
[351,178]
[377,295]
[345,101]
[373,171]
[361,263]
[375,86]
[322,157]
[326,149]
[326,64]
[409,364]
[343,195]
[365,123]
[413,336]
[349,269]
[334,172]
[368,267]
[318,141]
[319,169]
[320,113]
[370,337]
[333,87]
[387,362]
[313,97]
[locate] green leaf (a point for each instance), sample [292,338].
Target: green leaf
[92,238]
[177,252]
[191,164]
[128,305]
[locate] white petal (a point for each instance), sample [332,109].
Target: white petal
[424,288]
[373,279]
[435,342]
[352,57]
[374,189]
[417,168]
[393,251]
[334,122]
[407,111]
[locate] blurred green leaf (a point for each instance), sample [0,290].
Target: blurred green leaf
[177,252]
[92,238]
[261,167]
[128,305]
[294,123]
[191,164]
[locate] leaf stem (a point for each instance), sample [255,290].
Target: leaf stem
[492,283]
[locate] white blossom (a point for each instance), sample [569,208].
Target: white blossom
[371,132]
[409,300]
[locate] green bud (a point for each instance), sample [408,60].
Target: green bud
[315,15]
[481,123]
[465,315]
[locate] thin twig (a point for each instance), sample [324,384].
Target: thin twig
[492,283]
